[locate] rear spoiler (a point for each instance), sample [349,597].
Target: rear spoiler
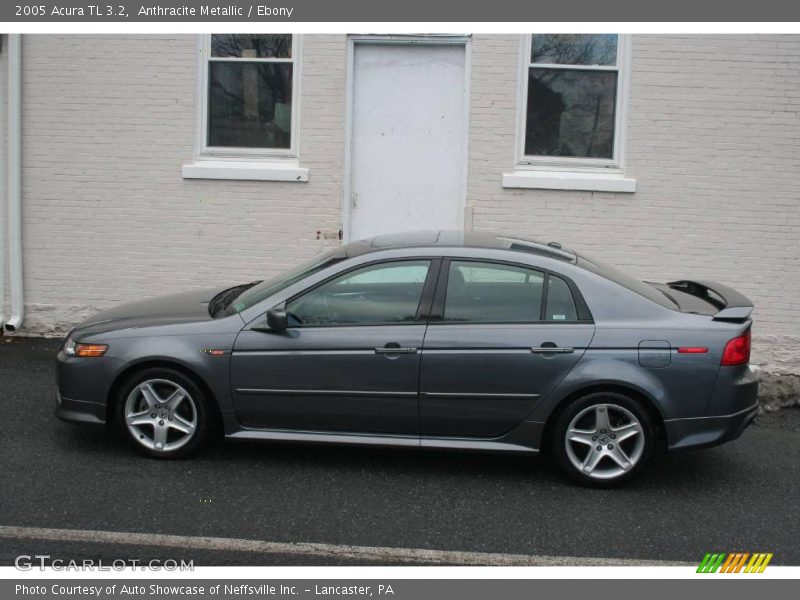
[732,305]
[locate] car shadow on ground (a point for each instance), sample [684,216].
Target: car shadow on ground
[680,470]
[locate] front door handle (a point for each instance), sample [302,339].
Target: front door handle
[395,350]
[552,349]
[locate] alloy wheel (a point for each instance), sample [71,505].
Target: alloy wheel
[161,415]
[604,441]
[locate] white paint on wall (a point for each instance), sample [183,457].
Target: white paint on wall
[713,142]
[108,121]
[407,142]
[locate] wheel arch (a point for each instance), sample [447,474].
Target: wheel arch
[131,370]
[631,391]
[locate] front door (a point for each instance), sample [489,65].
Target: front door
[349,361]
[503,337]
[408,116]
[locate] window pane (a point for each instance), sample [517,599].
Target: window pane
[560,304]
[486,293]
[386,293]
[570,113]
[574,49]
[247,45]
[250,104]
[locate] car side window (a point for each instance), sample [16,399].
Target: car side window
[560,303]
[384,293]
[479,292]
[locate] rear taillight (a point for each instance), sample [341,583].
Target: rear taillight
[737,351]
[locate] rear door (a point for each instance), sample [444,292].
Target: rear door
[349,361]
[501,336]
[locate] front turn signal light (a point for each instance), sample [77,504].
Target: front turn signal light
[90,350]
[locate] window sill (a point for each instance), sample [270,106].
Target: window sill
[569,180]
[288,170]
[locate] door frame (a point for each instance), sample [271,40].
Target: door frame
[394,40]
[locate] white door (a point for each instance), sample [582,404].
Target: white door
[408,138]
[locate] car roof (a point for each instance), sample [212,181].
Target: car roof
[460,239]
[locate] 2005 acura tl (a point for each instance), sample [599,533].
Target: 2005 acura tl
[433,340]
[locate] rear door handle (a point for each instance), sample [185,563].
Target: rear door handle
[393,350]
[552,350]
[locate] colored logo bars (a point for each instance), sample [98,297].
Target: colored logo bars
[734,563]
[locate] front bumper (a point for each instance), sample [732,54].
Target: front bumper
[79,411]
[81,389]
[702,432]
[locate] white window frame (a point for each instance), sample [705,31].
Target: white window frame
[203,150]
[586,165]
[256,164]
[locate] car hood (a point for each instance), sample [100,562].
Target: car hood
[162,310]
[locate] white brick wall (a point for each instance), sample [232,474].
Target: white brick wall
[108,122]
[713,140]
[714,143]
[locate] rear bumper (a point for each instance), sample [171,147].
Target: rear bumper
[732,407]
[80,411]
[702,432]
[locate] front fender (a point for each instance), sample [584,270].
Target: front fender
[188,352]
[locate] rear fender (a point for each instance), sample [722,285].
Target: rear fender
[601,368]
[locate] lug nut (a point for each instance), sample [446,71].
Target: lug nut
[611,446]
[594,438]
[599,448]
[613,436]
[153,415]
[161,422]
[602,431]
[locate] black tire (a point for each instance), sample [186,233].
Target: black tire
[614,405]
[199,403]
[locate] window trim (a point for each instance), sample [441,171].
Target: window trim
[422,315]
[221,153]
[436,316]
[616,164]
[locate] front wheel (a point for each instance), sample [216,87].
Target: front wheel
[603,439]
[163,413]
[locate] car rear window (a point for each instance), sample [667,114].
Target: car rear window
[627,281]
[560,303]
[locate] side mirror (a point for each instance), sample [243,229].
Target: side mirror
[277,319]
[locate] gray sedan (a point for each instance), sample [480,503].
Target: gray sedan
[432,340]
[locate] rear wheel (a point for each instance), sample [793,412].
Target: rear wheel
[603,439]
[163,413]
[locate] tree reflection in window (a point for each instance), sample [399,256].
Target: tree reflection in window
[250,91]
[571,109]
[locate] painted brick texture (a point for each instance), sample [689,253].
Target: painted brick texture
[108,121]
[714,143]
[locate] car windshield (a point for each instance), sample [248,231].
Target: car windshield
[266,288]
[628,281]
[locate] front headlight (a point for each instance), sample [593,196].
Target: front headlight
[71,348]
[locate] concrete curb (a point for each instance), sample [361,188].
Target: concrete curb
[778,390]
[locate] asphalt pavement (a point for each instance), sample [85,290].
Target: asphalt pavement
[742,496]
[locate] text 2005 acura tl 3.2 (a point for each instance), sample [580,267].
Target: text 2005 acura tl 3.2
[432,340]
